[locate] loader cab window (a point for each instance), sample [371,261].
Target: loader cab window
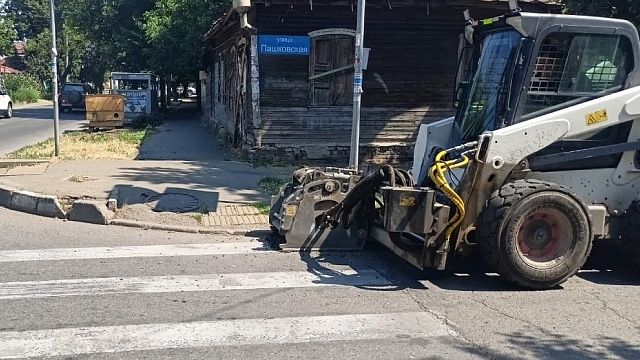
[487,91]
[571,68]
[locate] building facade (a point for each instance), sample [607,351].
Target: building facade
[283,86]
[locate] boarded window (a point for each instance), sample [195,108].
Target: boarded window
[331,70]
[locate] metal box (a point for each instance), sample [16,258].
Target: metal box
[408,209]
[105,111]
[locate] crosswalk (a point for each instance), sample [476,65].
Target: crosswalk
[245,297]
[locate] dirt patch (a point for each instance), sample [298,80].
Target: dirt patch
[81,178]
[120,144]
[143,213]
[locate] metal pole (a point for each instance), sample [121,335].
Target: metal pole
[357,87]
[54,81]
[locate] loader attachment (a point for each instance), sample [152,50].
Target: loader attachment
[339,209]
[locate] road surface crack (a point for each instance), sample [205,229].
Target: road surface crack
[606,306]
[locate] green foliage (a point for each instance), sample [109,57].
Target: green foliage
[177,28]
[622,9]
[26,95]
[98,36]
[7,36]
[263,207]
[22,88]
[147,121]
[271,184]
[29,16]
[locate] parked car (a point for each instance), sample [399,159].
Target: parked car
[191,91]
[6,105]
[72,96]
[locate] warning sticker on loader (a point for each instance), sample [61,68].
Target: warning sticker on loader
[597,117]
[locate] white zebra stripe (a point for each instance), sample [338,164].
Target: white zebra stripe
[178,283]
[233,248]
[112,339]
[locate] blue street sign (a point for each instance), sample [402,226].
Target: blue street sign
[283,45]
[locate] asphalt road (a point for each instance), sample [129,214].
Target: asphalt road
[33,124]
[72,290]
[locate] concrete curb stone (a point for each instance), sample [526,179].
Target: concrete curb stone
[90,211]
[30,202]
[26,201]
[50,206]
[112,201]
[6,193]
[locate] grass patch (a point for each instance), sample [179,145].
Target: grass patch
[121,144]
[198,218]
[271,184]
[263,207]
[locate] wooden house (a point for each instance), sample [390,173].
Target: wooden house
[282,85]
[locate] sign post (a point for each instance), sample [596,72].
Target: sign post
[357,87]
[54,81]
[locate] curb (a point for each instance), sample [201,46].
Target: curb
[112,201]
[21,162]
[30,202]
[39,103]
[177,228]
[94,212]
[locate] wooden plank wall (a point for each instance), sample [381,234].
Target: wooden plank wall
[409,80]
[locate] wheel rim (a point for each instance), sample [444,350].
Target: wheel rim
[10,111]
[545,235]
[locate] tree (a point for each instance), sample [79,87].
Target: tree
[38,56]
[177,28]
[30,17]
[7,36]
[622,9]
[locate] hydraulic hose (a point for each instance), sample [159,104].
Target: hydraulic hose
[437,174]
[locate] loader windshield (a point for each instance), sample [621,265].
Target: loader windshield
[488,87]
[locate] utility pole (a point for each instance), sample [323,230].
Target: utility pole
[54,81]
[357,87]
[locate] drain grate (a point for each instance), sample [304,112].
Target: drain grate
[174,202]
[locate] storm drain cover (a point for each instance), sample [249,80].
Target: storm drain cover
[173,202]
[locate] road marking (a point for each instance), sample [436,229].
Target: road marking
[132,251]
[179,283]
[112,339]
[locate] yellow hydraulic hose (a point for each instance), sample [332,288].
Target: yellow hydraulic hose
[437,175]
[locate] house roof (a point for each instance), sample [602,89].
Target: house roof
[14,62]
[9,70]
[226,17]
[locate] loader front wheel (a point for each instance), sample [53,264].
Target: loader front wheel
[534,233]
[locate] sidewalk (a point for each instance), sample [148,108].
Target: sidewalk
[180,158]
[40,102]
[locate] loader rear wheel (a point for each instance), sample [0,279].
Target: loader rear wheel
[536,234]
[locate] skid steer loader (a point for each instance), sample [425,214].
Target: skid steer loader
[541,158]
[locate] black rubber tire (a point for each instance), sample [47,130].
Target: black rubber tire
[9,113]
[75,98]
[506,212]
[631,235]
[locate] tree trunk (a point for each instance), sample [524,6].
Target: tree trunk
[198,93]
[163,93]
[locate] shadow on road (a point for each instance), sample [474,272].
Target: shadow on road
[558,346]
[607,265]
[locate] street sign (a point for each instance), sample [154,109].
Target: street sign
[283,45]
